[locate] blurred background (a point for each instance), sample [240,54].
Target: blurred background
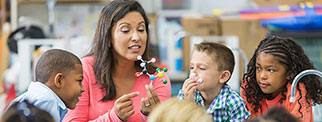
[30,27]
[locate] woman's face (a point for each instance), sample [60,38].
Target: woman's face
[129,37]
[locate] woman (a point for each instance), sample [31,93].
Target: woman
[113,93]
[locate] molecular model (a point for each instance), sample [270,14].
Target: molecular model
[192,75]
[143,64]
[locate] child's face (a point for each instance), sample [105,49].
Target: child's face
[72,86]
[205,68]
[271,75]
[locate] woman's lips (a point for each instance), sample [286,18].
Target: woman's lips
[135,48]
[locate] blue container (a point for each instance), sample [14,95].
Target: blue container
[310,21]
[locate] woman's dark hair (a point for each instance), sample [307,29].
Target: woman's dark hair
[291,55]
[102,50]
[26,112]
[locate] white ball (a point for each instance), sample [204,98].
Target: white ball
[142,64]
[139,57]
[153,60]
[199,80]
[192,75]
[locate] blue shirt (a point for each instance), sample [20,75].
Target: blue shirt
[227,106]
[44,98]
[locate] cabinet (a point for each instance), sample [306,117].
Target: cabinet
[82,12]
[3,13]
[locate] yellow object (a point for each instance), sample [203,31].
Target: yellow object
[284,7]
[308,4]
[4,50]
[160,75]
[217,12]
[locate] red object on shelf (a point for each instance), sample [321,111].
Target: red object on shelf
[11,94]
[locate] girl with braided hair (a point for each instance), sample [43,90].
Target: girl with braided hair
[270,73]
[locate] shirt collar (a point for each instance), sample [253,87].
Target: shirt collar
[218,103]
[43,87]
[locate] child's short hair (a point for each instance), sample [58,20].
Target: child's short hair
[220,53]
[26,112]
[54,61]
[174,110]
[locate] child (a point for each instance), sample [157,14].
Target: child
[58,84]
[174,110]
[276,114]
[25,112]
[213,64]
[271,70]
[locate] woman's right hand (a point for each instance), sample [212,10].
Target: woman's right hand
[123,106]
[188,89]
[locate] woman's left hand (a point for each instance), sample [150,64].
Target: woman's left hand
[147,104]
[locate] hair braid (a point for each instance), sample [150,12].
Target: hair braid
[290,54]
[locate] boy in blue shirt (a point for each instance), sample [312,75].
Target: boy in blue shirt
[58,84]
[212,65]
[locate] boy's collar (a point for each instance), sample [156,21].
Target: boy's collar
[218,103]
[59,101]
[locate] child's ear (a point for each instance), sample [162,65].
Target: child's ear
[58,80]
[288,78]
[225,76]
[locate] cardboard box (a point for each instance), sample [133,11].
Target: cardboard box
[201,25]
[198,26]
[153,21]
[249,32]
[284,2]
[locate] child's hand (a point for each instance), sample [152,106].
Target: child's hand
[123,106]
[147,104]
[188,89]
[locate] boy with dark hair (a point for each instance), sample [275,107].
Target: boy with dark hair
[58,84]
[276,114]
[25,112]
[211,66]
